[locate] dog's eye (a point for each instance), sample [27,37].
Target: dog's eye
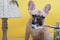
[34,16]
[42,17]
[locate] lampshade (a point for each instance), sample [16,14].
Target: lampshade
[9,9]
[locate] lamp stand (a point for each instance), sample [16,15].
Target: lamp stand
[4,28]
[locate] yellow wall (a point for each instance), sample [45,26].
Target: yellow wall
[17,25]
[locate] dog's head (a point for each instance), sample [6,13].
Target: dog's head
[38,19]
[38,15]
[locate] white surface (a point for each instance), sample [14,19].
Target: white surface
[8,10]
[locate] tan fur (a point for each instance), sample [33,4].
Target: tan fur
[37,34]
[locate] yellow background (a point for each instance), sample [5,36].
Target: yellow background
[17,26]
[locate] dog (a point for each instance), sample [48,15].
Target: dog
[35,25]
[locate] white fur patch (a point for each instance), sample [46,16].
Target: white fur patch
[39,27]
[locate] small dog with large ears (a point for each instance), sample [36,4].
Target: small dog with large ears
[35,25]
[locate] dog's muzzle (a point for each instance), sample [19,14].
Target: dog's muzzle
[38,20]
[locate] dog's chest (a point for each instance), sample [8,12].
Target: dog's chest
[36,32]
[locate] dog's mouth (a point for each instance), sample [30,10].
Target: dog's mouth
[38,20]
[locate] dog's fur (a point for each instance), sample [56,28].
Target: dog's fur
[37,34]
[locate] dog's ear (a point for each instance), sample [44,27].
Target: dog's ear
[31,5]
[47,8]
